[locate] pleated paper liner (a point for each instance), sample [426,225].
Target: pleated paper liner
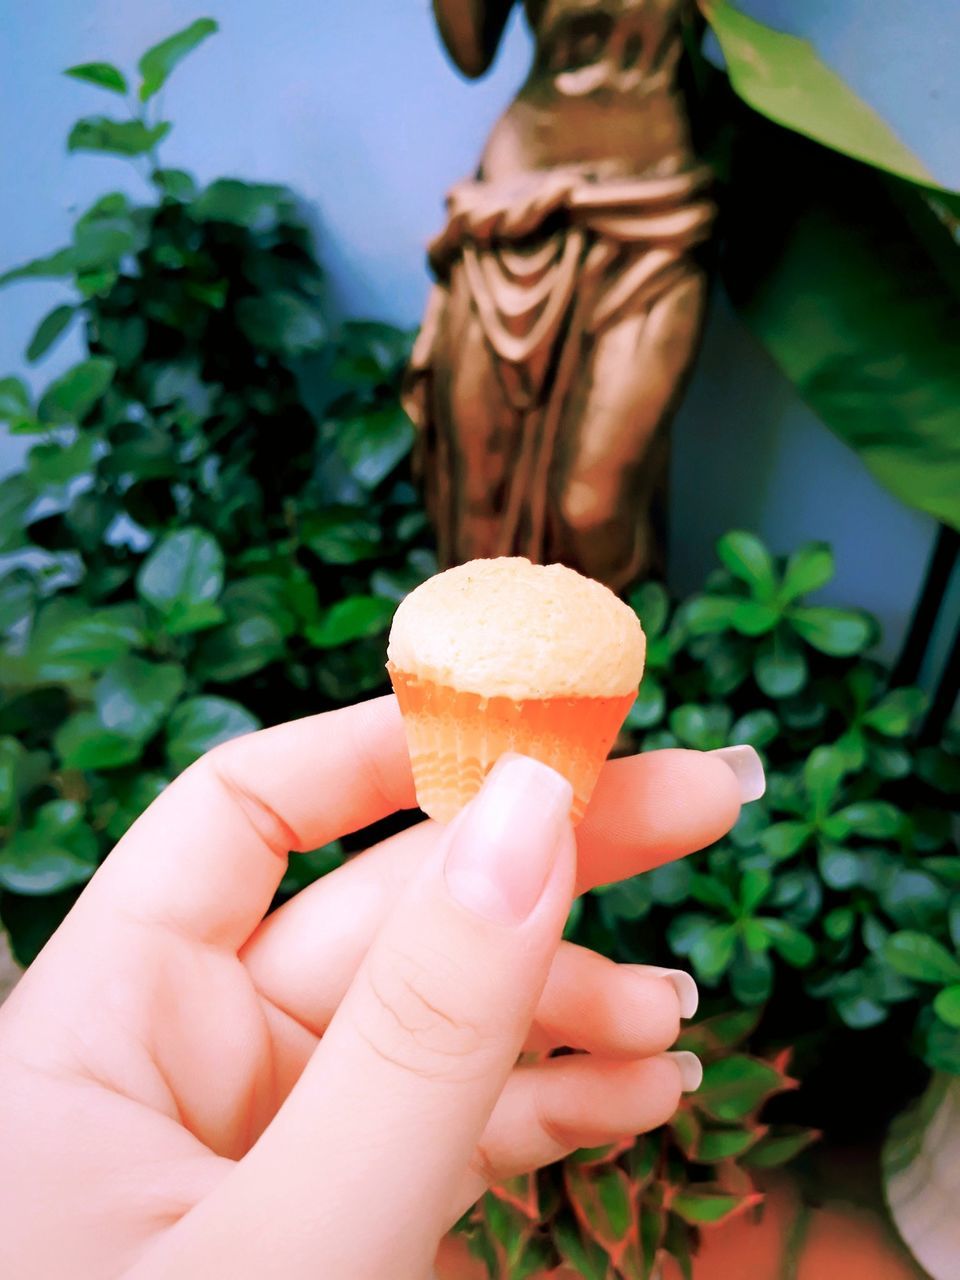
[455,738]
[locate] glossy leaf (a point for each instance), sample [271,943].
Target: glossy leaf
[704,1205]
[712,953]
[116,137]
[897,714]
[51,327]
[753,618]
[602,1202]
[875,819]
[780,667]
[159,61]
[351,619]
[341,538]
[839,632]
[283,323]
[839,868]
[783,77]
[71,397]
[734,1087]
[651,604]
[859,313]
[244,204]
[808,569]
[200,724]
[69,643]
[795,947]
[749,560]
[16,498]
[756,728]
[784,839]
[918,956]
[134,696]
[779,1148]
[373,445]
[83,743]
[51,267]
[947,1005]
[182,578]
[103,74]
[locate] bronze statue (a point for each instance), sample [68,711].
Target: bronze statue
[568,305]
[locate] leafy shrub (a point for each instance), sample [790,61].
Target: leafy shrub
[214,522]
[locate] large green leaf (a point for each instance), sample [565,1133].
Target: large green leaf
[157,63]
[49,330]
[69,642]
[52,267]
[351,619]
[16,497]
[133,696]
[103,74]
[749,560]
[200,724]
[57,850]
[182,578]
[918,956]
[734,1087]
[282,322]
[71,397]
[782,77]
[256,206]
[371,445]
[83,743]
[116,137]
[830,275]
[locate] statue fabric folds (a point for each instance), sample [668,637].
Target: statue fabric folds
[568,303]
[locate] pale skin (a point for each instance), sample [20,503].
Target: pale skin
[189,1089]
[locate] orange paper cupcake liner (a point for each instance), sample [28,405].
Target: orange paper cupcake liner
[455,738]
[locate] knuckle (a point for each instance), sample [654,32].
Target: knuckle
[414,1019]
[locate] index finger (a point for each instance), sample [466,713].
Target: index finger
[208,855]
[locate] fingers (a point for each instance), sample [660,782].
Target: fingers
[612,1010]
[646,810]
[653,808]
[552,1108]
[391,1105]
[207,856]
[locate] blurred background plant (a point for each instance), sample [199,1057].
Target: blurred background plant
[214,521]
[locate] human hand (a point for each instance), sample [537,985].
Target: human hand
[187,1088]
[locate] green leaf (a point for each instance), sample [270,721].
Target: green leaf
[947,1006]
[823,774]
[245,644]
[71,397]
[795,947]
[734,1087]
[755,885]
[18,592]
[374,444]
[586,1258]
[706,615]
[875,819]
[116,137]
[199,724]
[751,974]
[159,61]
[779,1148]
[134,696]
[21,771]
[780,667]
[897,714]
[839,632]
[839,868]
[304,868]
[651,603]
[712,953]
[341,538]
[16,498]
[941,1048]
[351,619]
[54,465]
[756,728]
[131,798]
[83,743]
[922,958]
[282,322]
[102,74]
[53,267]
[650,704]
[752,618]
[50,328]
[56,851]
[177,184]
[808,569]
[14,400]
[749,560]
[69,641]
[854,297]
[724,1144]
[254,206]
[783,78]
[783,839]
[602,1200]
[702,1207]
[182,578]
[703,728]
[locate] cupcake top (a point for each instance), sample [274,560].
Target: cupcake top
[509,628]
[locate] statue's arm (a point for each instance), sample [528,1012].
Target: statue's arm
[471,30]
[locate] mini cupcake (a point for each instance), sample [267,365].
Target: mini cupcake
[504,655]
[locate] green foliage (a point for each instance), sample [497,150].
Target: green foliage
[615,1212]
[215,519]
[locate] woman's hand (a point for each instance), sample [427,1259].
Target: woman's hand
[189,1089]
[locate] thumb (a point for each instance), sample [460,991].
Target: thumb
[360,1166]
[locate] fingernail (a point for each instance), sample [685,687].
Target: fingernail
[747,768]
[690,1068]
[688,993]
[504,846]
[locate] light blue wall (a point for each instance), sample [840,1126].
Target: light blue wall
[352,103]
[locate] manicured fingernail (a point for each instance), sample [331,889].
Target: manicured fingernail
[688,993]
[504,845]
[746,768]
[690,1068]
